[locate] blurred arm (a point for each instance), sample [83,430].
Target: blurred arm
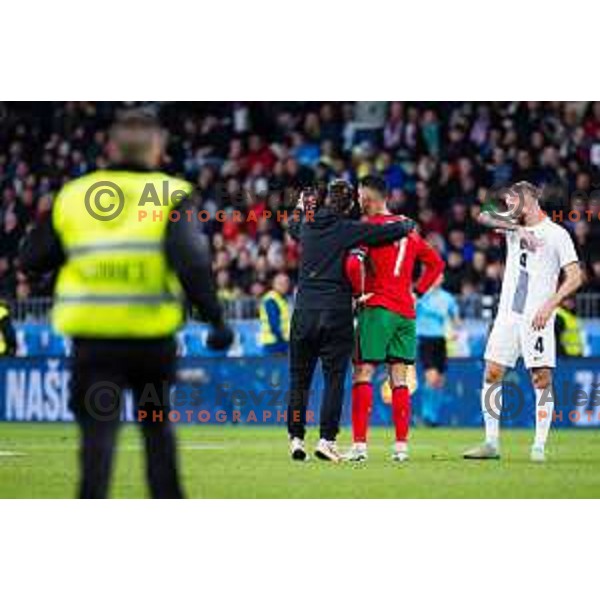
[188,252]
[41,250]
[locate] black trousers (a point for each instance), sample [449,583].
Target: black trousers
[101,370]
[327,335]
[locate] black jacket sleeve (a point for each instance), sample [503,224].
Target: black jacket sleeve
[188,252]
[375,235]
[41,250]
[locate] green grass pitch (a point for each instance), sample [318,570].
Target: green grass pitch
[38,461]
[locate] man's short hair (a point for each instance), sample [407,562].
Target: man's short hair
[524,187]
[132,133]
[376,183]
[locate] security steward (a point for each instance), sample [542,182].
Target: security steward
[274,316]
[8,338]
[568,330]
[322,322]
[119,295]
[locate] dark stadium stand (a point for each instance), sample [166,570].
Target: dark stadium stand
[439,160]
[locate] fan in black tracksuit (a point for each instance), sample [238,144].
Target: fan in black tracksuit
[322,323]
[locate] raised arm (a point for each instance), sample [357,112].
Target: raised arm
[497,221]
[295,224]
[503,222]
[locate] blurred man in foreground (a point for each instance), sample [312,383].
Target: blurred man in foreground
[386,330]
[322,323]
[119,295]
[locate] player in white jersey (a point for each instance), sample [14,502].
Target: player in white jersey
[538,251]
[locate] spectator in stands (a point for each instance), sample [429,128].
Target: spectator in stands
[593,285]
[226,291]
[275,316]
[470,300]
[568,331]
[455,271]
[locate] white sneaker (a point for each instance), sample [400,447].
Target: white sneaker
[297,449]
[484,451]
[327,450]
[538,454]
[358,453]
[400,455]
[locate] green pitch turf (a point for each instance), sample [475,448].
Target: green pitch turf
[38,461]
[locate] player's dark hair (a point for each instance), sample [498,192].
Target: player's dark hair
[340,196]
[374,182]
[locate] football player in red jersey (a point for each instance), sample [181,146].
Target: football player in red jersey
[386,331]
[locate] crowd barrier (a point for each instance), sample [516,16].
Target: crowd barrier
[254,390]
[36,339]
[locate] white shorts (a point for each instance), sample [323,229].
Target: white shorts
[512,337]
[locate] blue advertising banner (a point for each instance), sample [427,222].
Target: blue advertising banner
[254,390]
[36,339]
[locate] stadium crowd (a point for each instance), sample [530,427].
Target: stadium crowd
[438,159]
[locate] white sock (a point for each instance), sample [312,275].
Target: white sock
[491,407]
[401,446]
[360,446]
[544,410]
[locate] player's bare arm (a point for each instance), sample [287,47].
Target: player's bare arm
[573,279]
[503,222]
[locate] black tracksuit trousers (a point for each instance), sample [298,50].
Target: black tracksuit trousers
[101,370]
[326,335]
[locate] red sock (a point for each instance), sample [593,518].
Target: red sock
[401,412]
[362,399]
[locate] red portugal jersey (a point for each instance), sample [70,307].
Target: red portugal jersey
[389,270]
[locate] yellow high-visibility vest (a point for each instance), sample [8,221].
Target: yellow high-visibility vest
[571,335]
[116,282]
[267,335]
[3,345]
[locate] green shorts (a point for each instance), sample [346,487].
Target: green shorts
[385,336]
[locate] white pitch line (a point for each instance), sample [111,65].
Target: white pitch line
[201,446]
[120,447]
